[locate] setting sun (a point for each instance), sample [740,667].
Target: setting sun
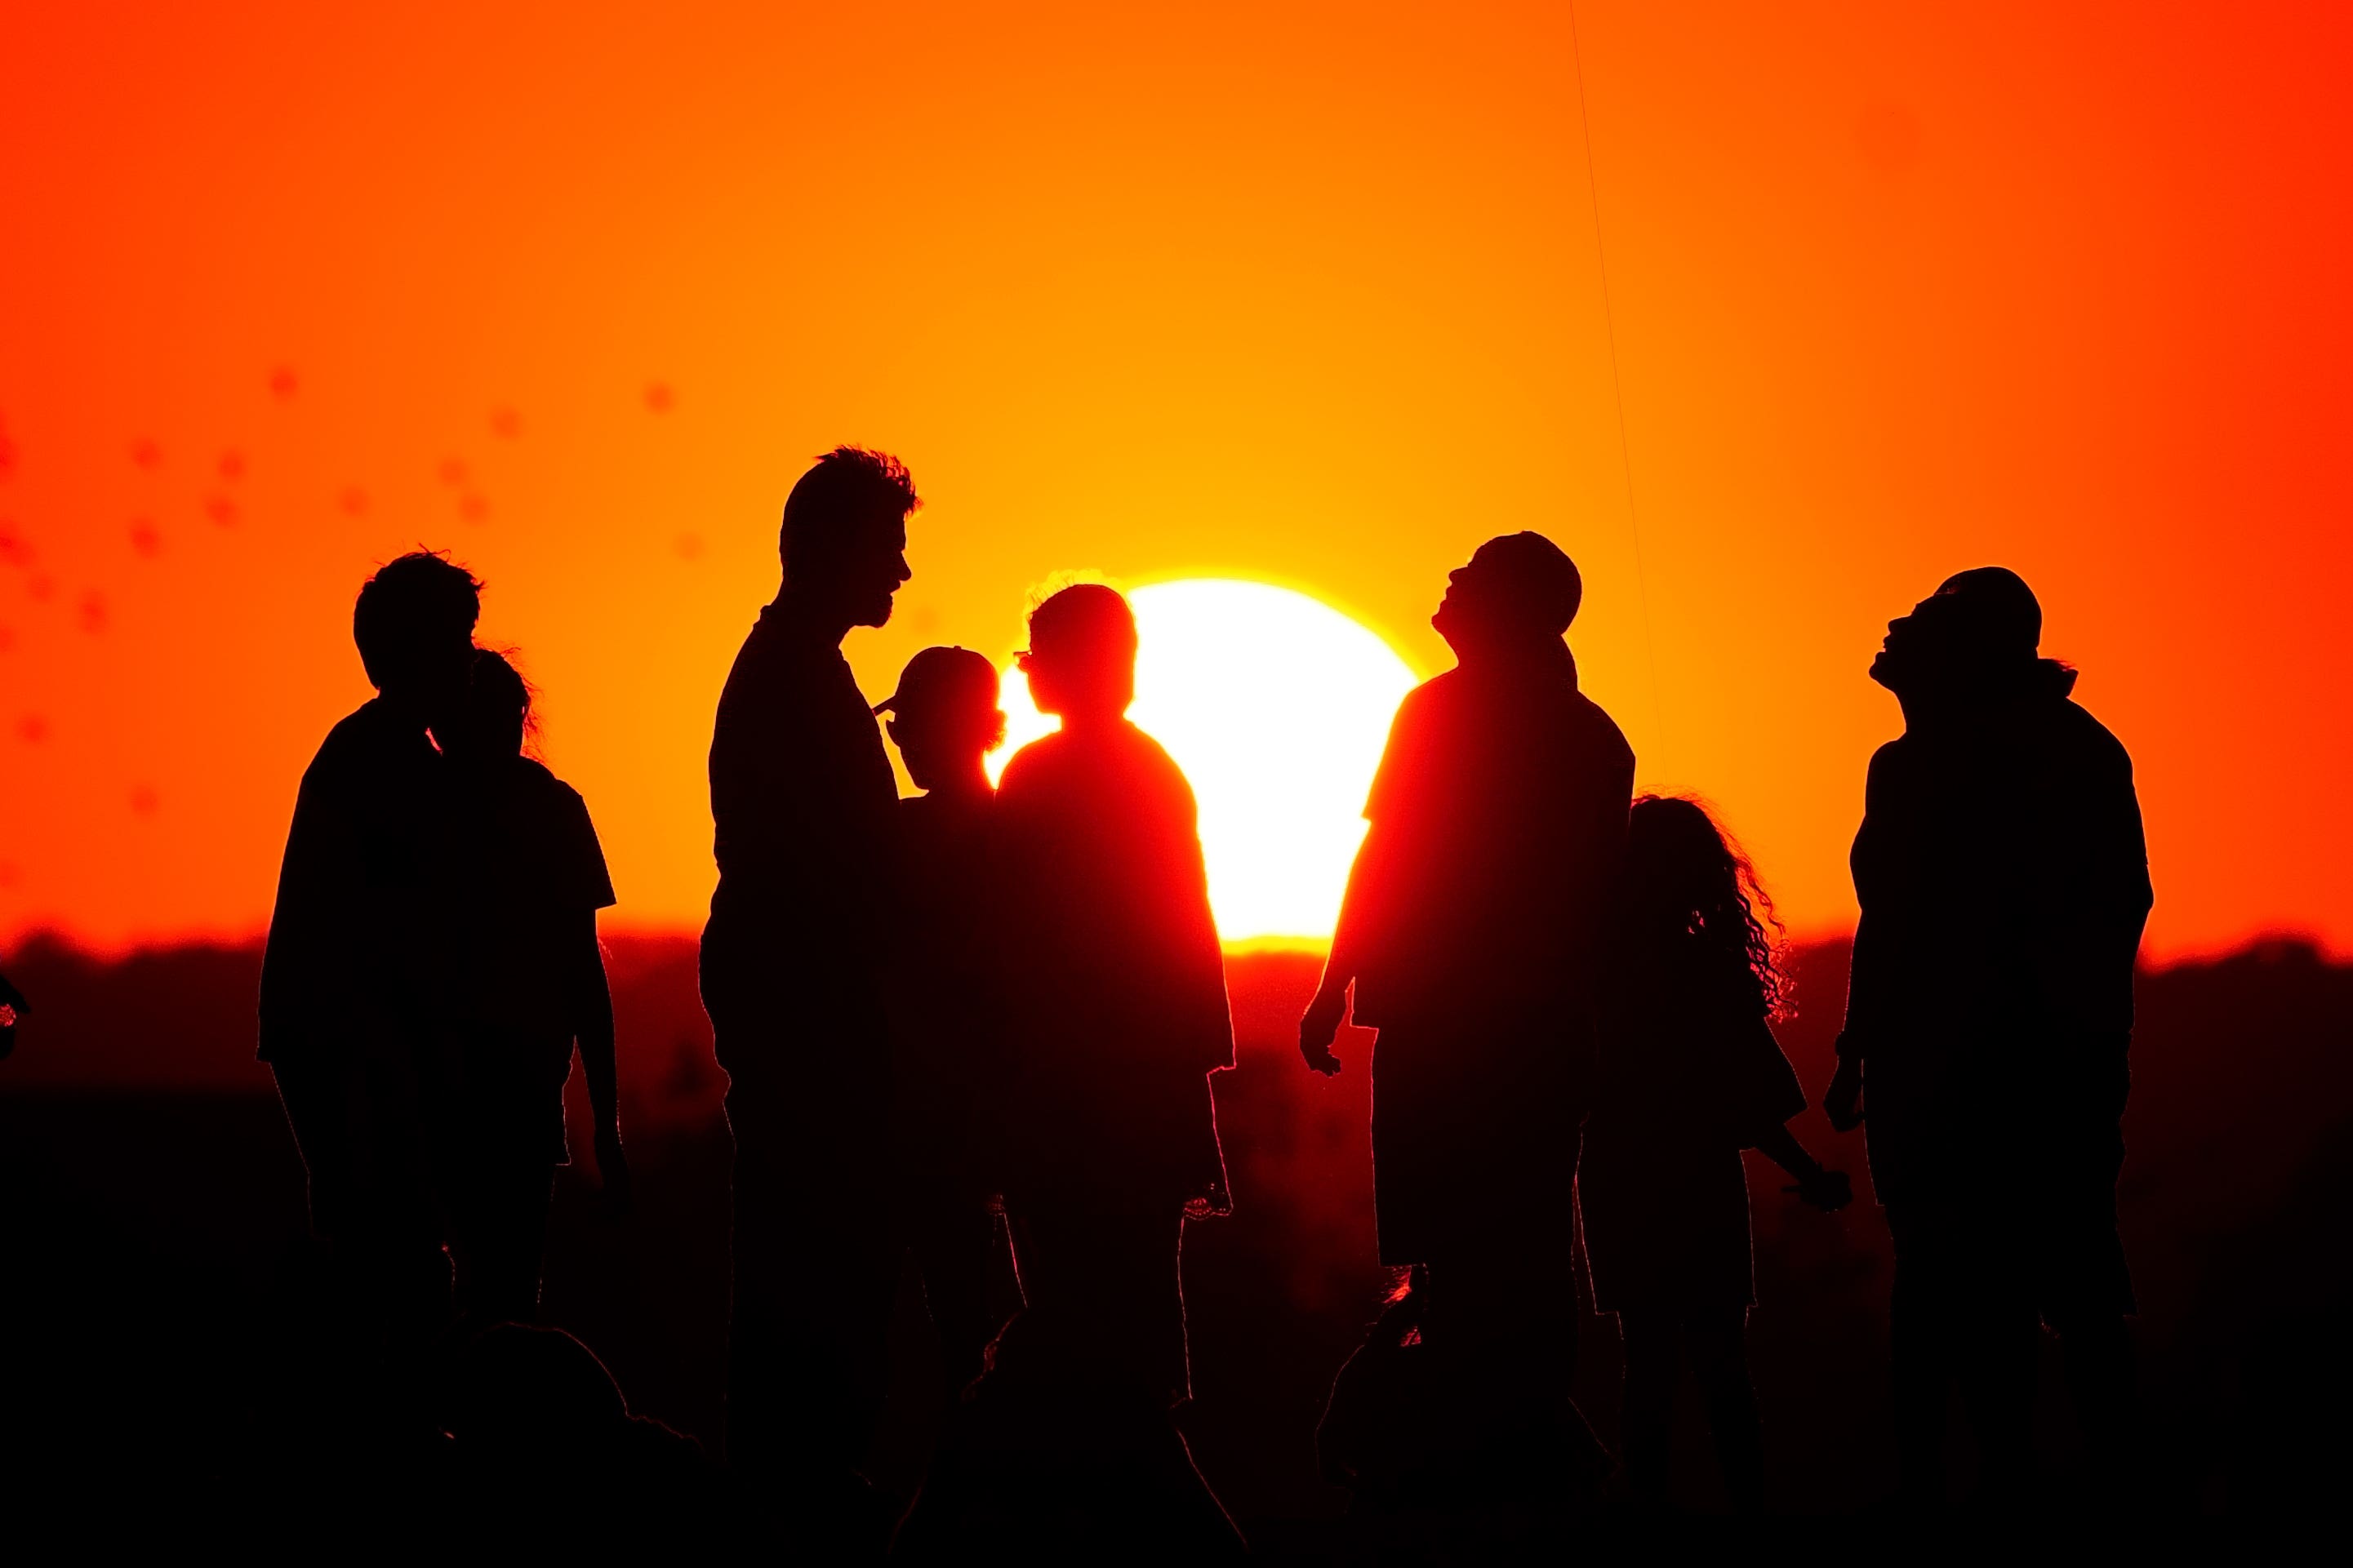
[1276,706]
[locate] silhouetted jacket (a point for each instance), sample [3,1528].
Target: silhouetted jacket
[801,799]
[357,936]
[1498,832]
[2004,882]
[1117,983]
[947,989]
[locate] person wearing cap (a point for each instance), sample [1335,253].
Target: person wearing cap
[1470,934]
[803,807]
[947,1028]
[2003,880]
[1118,1012]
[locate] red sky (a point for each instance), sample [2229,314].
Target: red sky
[1302,294]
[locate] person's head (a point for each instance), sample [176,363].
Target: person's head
[944,716]
[1688,881]
[414,623]
[1081,658]
[843,544]
[1517,591]
[494,715]
[1979,629]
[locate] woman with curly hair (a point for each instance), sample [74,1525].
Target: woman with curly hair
[1691,1076]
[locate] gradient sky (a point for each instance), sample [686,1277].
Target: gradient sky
[1306,294]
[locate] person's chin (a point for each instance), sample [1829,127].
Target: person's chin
[877,614]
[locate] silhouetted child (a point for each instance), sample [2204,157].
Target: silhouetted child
[533,983]
[947,1027]
[1691,1076]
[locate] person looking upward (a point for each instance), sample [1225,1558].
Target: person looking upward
[802,802]
[2003,881]
[1470,934]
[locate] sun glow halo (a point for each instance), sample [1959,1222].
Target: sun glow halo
[1276,706]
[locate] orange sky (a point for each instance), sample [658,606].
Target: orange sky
[1301,293]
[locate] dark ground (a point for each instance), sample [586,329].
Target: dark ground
[159,1281]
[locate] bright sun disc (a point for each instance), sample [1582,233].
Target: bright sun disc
[1276,707]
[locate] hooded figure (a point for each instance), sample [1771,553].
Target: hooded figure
[2004,882]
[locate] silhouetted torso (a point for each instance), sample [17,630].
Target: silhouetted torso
[801,796]
[358,936]
[533,872]
[1498,830]
[947,990]
[1690,1076]
[1117,981]
[2003,880]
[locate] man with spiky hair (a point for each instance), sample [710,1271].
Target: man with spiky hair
[802,799]
[354,978]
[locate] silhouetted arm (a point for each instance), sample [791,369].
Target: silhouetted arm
[1329,1008]
[1825,1189]
[592,1011]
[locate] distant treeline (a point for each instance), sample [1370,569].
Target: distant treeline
[133,1102]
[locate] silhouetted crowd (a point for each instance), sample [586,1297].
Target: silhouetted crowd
[980,1028]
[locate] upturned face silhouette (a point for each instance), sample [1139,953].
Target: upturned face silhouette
[1975,621]
[1515,590]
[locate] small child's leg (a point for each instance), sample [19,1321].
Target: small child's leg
[1719,1353]
[1653,1343]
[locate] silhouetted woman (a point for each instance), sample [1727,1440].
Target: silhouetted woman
[533,983]
[1691,1076]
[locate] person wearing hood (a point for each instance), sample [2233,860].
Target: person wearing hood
[2003,883]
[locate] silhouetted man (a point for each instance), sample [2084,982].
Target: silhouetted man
[802,796]
[353,981]
[1469,932]
[2003,883]
[1119,1008]
[948,1029]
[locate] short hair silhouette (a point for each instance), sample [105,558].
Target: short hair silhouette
[1993,609]
[1536,582]
[413,603]
[1084,620]
[847,490]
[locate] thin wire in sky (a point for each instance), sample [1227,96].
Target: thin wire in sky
[1616,382]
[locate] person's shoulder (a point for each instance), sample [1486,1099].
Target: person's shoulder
[537,780]
[362,739]
[1034,764]
[2095,740]
[1595,727]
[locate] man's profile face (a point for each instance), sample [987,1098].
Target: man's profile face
[1916,640]
[873,565]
